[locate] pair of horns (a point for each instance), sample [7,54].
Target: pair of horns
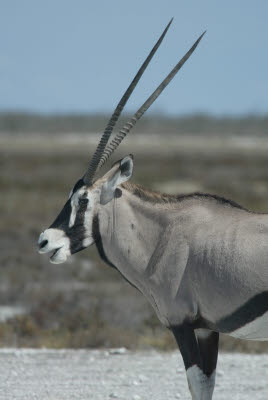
[104,151]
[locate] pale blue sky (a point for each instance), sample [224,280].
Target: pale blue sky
[79,56]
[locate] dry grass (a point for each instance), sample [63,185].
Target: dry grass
[84,303]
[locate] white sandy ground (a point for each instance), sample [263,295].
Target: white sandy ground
[27,374]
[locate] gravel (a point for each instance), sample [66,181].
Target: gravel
[28,374]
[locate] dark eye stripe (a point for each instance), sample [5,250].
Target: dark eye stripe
[82,201]
[76,233]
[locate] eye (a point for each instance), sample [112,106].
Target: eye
[82,202]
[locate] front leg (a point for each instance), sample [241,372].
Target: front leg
[199,360]
[208,343]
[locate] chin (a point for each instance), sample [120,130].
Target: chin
[59,257]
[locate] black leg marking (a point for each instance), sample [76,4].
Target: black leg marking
[200,358]
[186,340]
[208,347]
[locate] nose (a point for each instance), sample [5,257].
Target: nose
[43,244]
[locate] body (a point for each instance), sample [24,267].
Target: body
[195,255]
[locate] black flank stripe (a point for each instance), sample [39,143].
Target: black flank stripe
[252,309]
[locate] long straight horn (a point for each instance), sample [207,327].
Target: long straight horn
[94,163]
[112,146]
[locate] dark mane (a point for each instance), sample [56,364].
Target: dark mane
[158,197]
[219,199]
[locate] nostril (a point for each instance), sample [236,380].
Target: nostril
[43,244]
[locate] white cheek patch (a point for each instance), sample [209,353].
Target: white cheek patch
[88,221]
[73,214]
[74,206]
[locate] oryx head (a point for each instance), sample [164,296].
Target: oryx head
[72,230]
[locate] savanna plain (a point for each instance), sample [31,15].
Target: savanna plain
[84,303]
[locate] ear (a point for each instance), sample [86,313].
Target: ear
[121,172]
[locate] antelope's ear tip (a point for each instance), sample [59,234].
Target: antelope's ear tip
[126,167]
[128,158]
[127,161]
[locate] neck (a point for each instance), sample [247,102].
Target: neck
[127,231]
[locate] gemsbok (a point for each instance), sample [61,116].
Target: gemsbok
[199,259]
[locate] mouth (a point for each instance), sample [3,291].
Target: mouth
[59,256]
[54,254]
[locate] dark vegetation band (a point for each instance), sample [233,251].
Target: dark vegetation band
[23,122]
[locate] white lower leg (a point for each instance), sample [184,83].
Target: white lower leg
[201,386]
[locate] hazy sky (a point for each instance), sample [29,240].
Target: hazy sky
[79,56]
